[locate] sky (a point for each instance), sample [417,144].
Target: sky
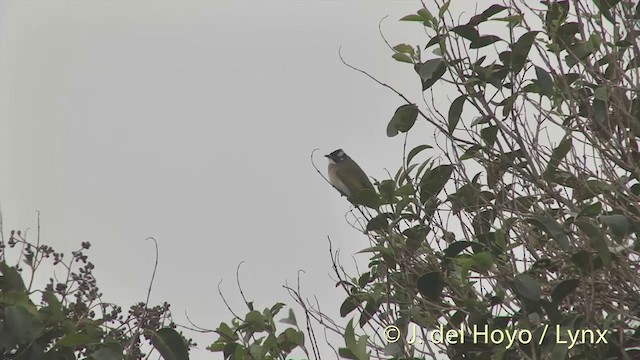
[193,122]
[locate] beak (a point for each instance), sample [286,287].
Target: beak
[326,156]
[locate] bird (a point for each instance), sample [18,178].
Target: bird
[345,175]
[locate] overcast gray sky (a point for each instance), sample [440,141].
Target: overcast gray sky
[193,122]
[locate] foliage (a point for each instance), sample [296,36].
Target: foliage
[525,226]
[69,319]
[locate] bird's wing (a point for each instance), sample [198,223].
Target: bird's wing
[355,178]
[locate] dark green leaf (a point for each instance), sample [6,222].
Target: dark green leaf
[596,238]
[22,324]
[366,197]
[379,223]
[430,68]
[433,41]
[457,247]
[468,32]
[402,57]
[545,83]
[563,290]
[489,134]
[484,41]
[552,228]
[556,157]
[431,285]
[591,210]
[434,181]
[413,17]
[471,152]
[403,119]
[404,48]
[455,111]
[520,51]
[527,287]
[618,224]
[434,76]
[416,150]
[349,304]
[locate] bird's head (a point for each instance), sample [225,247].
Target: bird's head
[337,156]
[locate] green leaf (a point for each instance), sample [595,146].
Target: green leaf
[556,156]
[618,224]
[471,152]
[431,285]
[402,57]
[602,93]
[520,51]
[468,32]
[291,319]
[591,210]
[545,83]
[433,76]
[434,181]
[489,134]
[349,304]
[403,119]
[379,223]
[404,48]
[444,9]
[170,344]
[552,228]
[430,68]
[22,324]
[483,41]
[527,287]
[415,151]
[455,111]
[597,240]
[413,17]
[366,197]
[563,290]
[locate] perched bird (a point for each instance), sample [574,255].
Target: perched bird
[345,175]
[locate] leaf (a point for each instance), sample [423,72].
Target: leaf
[596,238]
[416,150]
[556,156]
[434,76]
[527,287]
[471,152]
[457,247]
[602,93]
[618,223]
[434,40]
[431,285]
[489,134]
[412,17]
[429,68]
[366,197]
[591,210]
[545,83]
[551,227]
[468,32]
[291,319]
[483,41]
[349,304]
[520,51]
[604,6]
[434,181]
[403,119]
[444,8]
[404,48]
[402,57]
[378,223]
[22,324]
[455,111]
[563,290]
